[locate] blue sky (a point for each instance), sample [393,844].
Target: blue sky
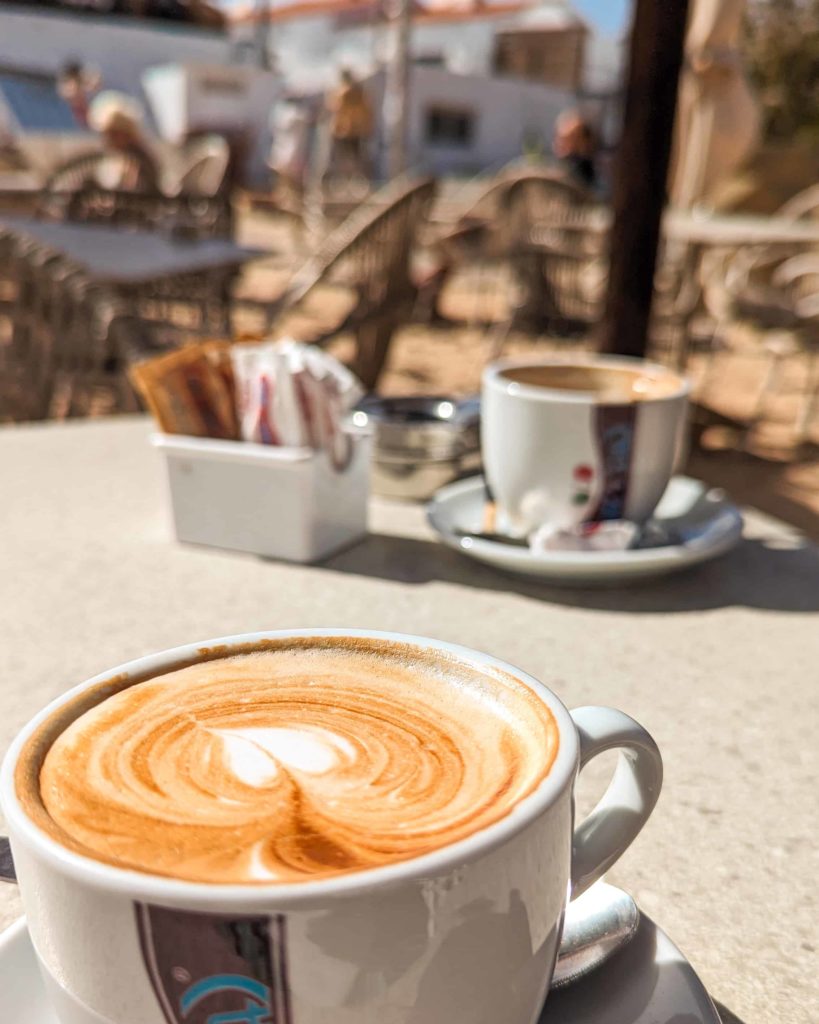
[610,16]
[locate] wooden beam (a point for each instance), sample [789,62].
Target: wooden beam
[641,171]
[396,100]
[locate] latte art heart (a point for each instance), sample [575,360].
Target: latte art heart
[293,764]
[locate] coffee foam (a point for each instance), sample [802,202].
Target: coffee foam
[294,763]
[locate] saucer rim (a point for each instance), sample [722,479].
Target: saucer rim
[18,932]
[684,554]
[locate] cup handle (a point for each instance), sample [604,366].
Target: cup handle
[609,830]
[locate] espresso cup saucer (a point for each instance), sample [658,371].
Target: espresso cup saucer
[700,522]
[649,981]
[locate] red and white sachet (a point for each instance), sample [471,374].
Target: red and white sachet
[294,395]
[612,535]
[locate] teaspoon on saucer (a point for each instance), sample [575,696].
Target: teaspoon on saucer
[595,926]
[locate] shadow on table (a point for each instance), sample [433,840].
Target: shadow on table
[628,987]
[781,575]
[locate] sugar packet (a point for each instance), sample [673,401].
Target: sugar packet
[294,395]
[190,390]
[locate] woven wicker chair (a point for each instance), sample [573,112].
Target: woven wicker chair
[558,262]
[533,219]
[803,206]
[372,249]
[200,203]
[778,296]
[87,189]
[68,340]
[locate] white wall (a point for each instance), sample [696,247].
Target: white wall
[197,97]
[118,47]
[506,111]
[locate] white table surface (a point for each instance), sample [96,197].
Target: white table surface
[720,665]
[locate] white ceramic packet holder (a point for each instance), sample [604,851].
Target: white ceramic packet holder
[287,503]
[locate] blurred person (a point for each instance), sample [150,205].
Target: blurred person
[77,85]
[575,145]
[291,126]
[351,126]
[118,119]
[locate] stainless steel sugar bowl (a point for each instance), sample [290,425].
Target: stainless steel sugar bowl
[420,443]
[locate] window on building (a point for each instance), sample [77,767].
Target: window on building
[430,59]
[448,126]
[534,63]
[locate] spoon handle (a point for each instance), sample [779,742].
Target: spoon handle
[7,872]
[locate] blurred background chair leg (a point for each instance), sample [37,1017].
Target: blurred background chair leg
[769,381]
[811,403]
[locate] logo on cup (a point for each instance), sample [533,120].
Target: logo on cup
[614,427]
[216,968]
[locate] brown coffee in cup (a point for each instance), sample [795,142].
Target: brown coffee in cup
[606,383]
[301,760]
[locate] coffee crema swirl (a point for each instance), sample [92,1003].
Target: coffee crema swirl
[295,764]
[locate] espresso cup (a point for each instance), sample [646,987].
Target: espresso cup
[466,933]
[580,441]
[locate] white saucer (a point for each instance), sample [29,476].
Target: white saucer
[702,522]
[648,982]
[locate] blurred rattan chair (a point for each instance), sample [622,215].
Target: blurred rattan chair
[778,298]
[88,189]
[803,206]
[371,252]
[68,338]
[200,201]
[559,258]
[536,221]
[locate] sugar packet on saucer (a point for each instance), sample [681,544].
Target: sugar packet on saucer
[610,535]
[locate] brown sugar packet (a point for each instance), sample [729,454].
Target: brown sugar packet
[187,393]
[217,352]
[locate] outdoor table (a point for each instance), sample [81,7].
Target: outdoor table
[123,257]
[738,229]
[20,191]
[719,664]
[701,228]
[72,281]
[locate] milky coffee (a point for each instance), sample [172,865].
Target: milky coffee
[606,383]
[302,759]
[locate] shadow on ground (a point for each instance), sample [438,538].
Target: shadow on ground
[781,575]
[787,489]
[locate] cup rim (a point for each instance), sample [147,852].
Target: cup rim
[492,377]
[144,886]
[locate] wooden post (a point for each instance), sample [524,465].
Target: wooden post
[262,41]
[641,170]
[397,87]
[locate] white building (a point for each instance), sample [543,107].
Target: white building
[476,98]
[188,78]
[467,124]
[41,40]
[310,38]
